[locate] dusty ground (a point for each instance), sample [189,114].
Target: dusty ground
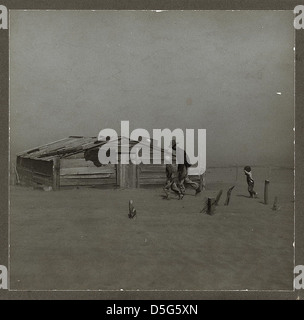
[83,239]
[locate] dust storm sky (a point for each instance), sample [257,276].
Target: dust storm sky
[229,72]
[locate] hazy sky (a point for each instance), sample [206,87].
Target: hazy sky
[77,72]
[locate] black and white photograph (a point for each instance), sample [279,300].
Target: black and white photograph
[152,150]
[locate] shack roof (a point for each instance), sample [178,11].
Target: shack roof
[73,145]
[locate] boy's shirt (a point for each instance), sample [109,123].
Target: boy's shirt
[249,177]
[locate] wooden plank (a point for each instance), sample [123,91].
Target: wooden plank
[36,179]
[22,170]
[76,163]
[89,176]
[40,165]
[23,175]
[52,151]
[87,170]
[61,152]
[30,179]
[152,185]
[152,181]
[151,165]
[42,180]
[99,186]
[42,147]
[87,182]
[43,167]
[159,170]
[157,180]
[42,174]
[152,168]
[132,183]
[149,175]
[43,150]
[123,182]
[35,166]
[153,176]
[78,155]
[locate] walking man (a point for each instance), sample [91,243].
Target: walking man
[172,181]
[182,170]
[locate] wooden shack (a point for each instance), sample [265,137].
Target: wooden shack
[73,162]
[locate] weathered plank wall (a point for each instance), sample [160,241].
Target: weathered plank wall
[152,174]
[34,172]
[127,175]
[155,174]
[75,171]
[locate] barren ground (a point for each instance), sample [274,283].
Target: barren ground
[83,239]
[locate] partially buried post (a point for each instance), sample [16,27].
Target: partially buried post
[228,196]
[211,206]
[266,187]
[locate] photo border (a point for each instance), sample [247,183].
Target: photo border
[152,5]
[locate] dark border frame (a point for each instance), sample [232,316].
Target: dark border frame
[152,5]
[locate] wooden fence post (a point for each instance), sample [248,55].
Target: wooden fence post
[266,191]
[275,204]
[228,196]
[211,206]
[218,197]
